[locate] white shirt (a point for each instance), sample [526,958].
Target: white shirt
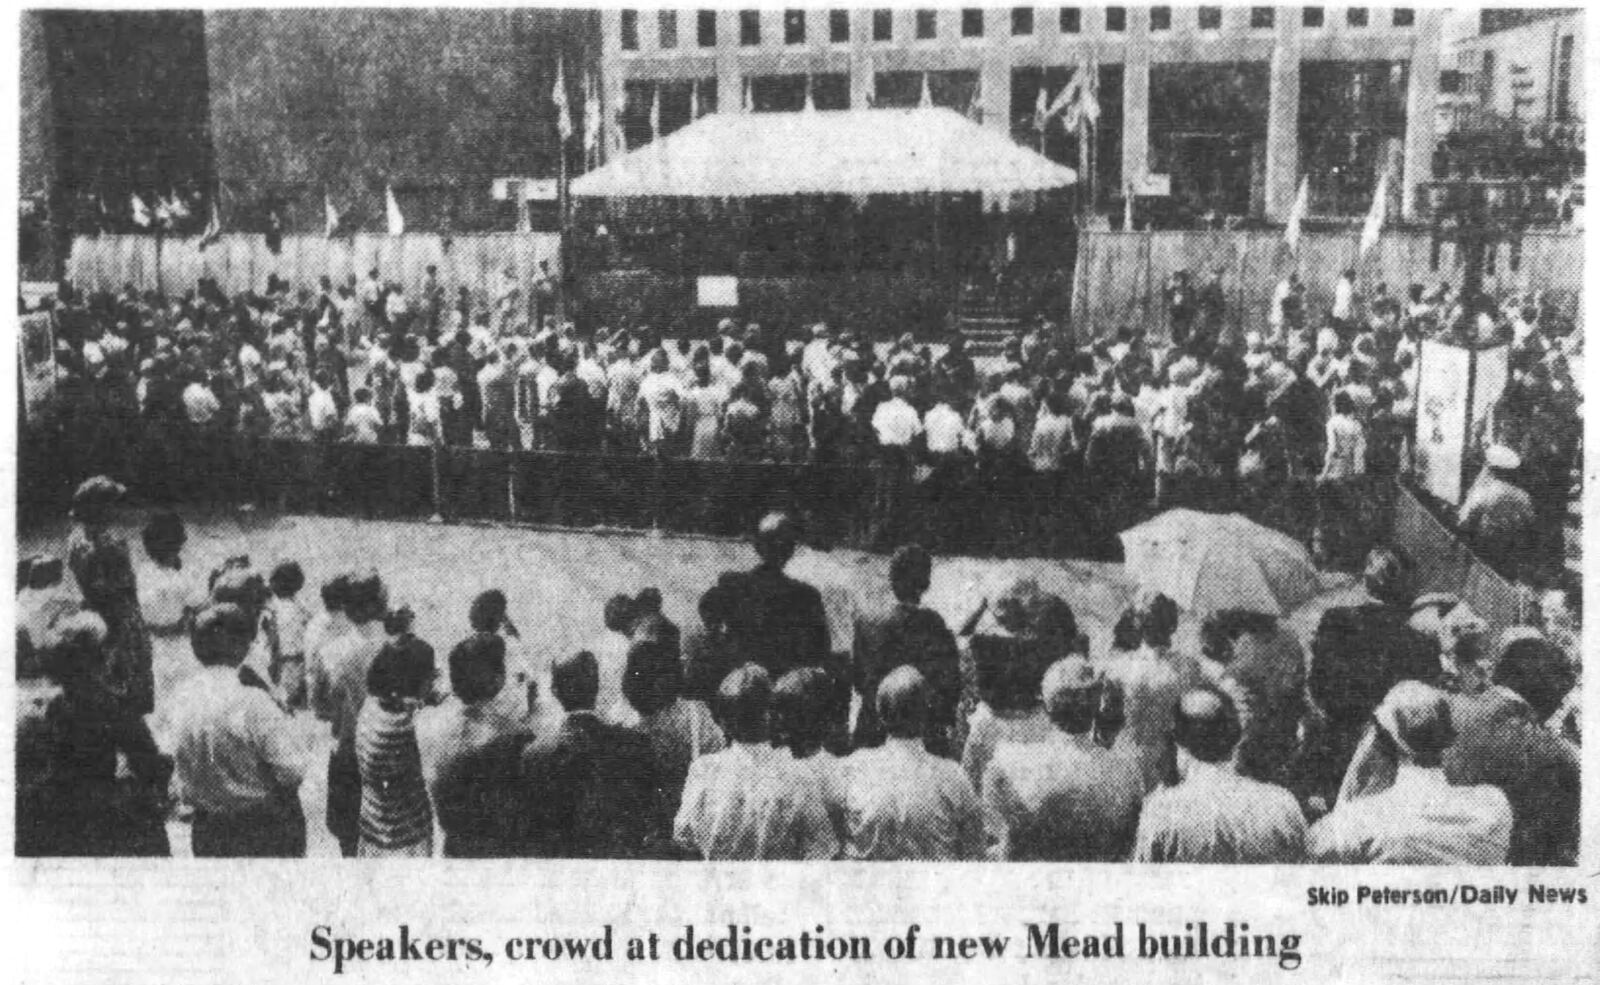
[291,619]
[233,749]
[200,403]
[363,423]
[896,423]
[1346,448]
[1052,437]
[903,802]
[1064,799]
[344,663]
[1216,815]
[747,803]
[663,397]
[454,728]
[1421,820]
[986,730]
[944,428]
[322,412]
[1344,298]
[165,595]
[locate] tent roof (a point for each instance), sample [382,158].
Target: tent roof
[826,152]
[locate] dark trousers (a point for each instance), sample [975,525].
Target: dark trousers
[276,830]
[344,800]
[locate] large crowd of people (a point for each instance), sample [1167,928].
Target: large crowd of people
[1401,732]
[1302,424]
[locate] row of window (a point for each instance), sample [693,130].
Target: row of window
[926,23]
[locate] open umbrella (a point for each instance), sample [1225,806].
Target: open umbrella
[1211,561]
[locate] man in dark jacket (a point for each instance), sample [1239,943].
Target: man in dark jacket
[591,786]
[907,634]
[1358,654]
[774,620]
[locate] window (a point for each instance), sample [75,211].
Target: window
[883,25]
[1403,17]
[630,30]
[706,28]
[749,27]
[1210,18]
[1262,18]
[1563,105]
[1160,18]
[1356,17]
[1116,19]
[927,24]
[1071,20]
[1311,17]
[972,22]
[1021,21]
[838,26]
[667,29]
[794,27]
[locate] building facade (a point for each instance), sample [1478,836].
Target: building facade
[1232,104]
[1528,68]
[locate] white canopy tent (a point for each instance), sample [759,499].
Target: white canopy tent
[826,152]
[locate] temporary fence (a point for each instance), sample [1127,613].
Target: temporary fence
[1121,277]
[1446,564]
[243,261]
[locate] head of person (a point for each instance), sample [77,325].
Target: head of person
[74,661]
[95,499]
[221,634]
[1390,577]
[903,703]
[1221,629]
[743,704]
[40,572]
[801,702]
[653,676]
[618,614]
[164,536]
[286,579]
[363,395]
[336,593]
[402,671]
[777,536]
[1206,725]
[487,612]
[1157,618]
[910,573]
[713,607]
[1535,670]
[1501,461]
[1415,718]
[1071,691]
[366,599]
[575,681]
[478,668]
[1343,404]
[398,622]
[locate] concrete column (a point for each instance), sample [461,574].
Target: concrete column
[1135,101]
[861,67]
[730,79]
[1283,117]
[1422,96]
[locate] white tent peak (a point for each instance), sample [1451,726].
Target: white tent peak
[826,152]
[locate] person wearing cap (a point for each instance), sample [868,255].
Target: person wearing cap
[1213,815]
[238,762]
[1067,799]
[591,787]
[1497,517]
[902,803]
[908,634]
[1398,807]
[774,620]
[100,563]
[749,801]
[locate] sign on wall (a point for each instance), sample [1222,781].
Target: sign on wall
[717,292]
[1443,400]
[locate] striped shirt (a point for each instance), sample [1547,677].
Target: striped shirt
[395,812]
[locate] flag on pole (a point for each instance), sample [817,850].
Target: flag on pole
[926,102]
[1041,108]
[591,123]
[1297,215]
[141,213]
[617,143]
[1089,89]
[975,104]
[330,217]
[655,113]
[872,86]
[397,222]
[1059,103]
[559,97]
[747,105]
[694,101]
[811,105]
[213,231]
[1373,227]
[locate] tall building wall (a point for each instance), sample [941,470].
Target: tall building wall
[346,102]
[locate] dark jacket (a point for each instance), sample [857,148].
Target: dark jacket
[906,634]
[476,799]
[591,792]
[776,621]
